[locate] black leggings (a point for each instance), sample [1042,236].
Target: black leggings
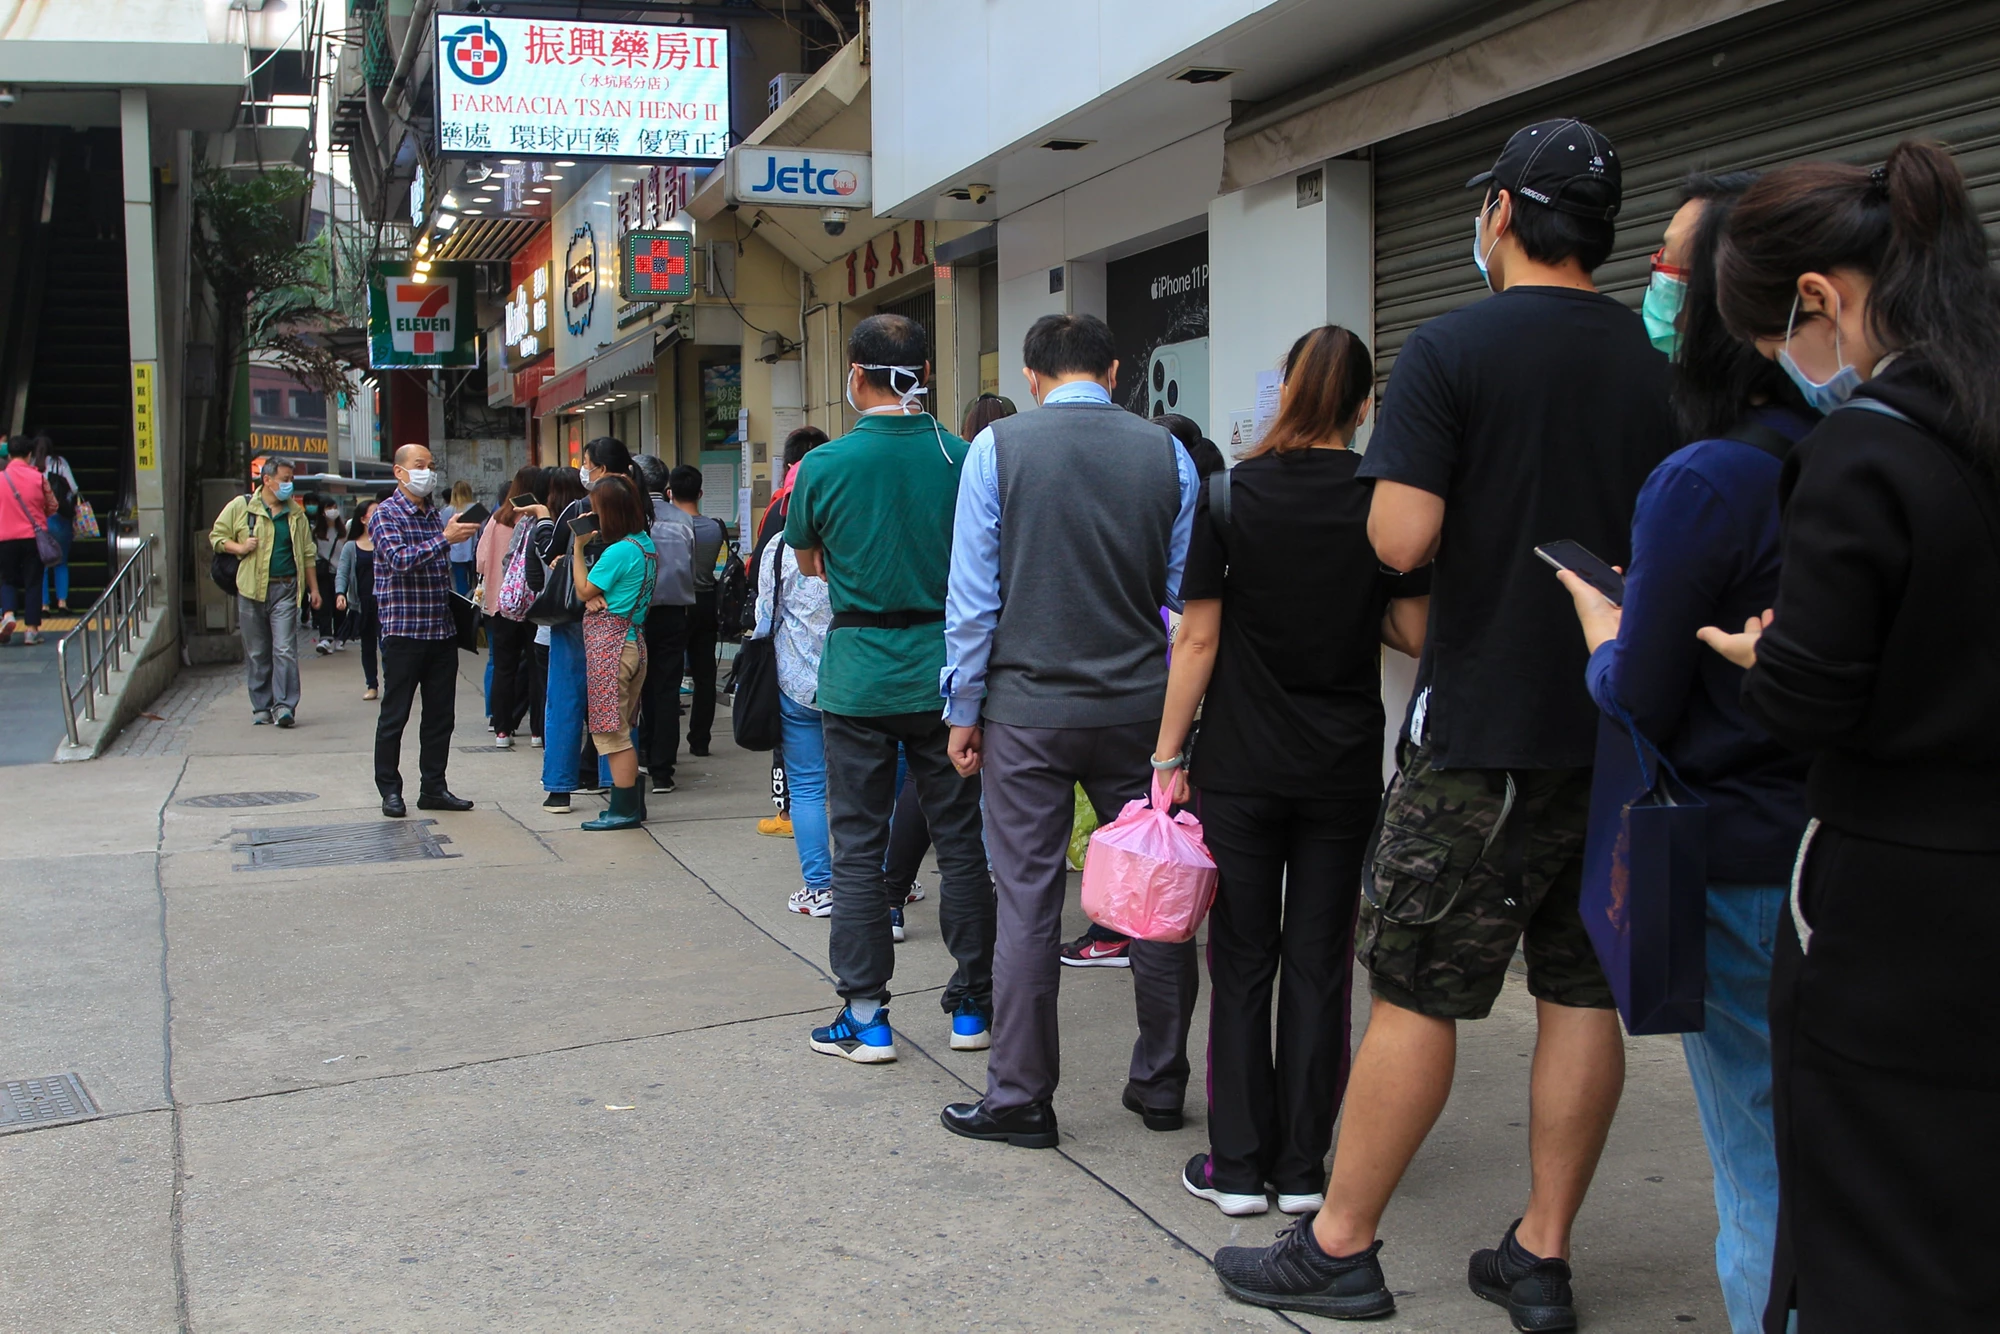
[21,579]
[371,641]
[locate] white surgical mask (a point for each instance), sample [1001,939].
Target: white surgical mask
[1480,254]
[1824,396]
[584,472]
[421,480]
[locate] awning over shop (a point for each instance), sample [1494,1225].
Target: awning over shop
[630,357]
[560,391]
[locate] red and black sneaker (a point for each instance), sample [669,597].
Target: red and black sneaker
[1088,951]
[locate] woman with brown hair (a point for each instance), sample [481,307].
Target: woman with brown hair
[615,592]
[1286,606]
[1873,292]
[516,689]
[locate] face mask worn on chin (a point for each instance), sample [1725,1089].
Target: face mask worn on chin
[1822,397]
[1480,254]
[421,480]
[1661,310]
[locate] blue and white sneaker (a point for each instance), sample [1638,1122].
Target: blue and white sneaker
[872,1043]
[896,931]
[971,1030]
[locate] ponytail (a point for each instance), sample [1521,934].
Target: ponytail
[1911,226]
[1328,376]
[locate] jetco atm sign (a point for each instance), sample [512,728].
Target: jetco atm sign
[798,177]
[421,319]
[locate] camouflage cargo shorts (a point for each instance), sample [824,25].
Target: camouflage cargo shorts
[1467,863]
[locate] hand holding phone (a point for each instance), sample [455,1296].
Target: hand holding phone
[583,525]
[1581,562]
[474,513]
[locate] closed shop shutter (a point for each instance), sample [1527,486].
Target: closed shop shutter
[1834,79]
[918,306]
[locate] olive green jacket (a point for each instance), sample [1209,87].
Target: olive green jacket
[245,514]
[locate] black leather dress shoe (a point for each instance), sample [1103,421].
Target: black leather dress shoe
[441,800]
[1030,1127]
[392,805]
[1156,1118]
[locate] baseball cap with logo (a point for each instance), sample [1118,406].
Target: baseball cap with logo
[1560,164]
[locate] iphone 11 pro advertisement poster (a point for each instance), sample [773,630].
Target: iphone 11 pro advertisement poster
[1157,304]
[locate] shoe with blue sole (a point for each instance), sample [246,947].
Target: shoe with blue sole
[971,1029]
[872,1043]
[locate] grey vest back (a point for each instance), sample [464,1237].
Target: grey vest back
[1088,497]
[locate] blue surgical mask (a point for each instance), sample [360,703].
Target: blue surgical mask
[284,490]
[1661,310]
[1480,254]
[1821,397]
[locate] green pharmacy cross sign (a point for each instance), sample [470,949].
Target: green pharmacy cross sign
[656,266]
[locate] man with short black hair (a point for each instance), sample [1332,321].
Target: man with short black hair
[871,513]
[665,631]
[1529,417]
[1072,532]
[702,626]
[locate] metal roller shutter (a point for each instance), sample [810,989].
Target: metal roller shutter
[1839,79]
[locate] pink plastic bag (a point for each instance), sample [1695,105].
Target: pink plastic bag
[1147,874]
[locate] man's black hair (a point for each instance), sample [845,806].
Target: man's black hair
[1550,236]
[652,471]
[686,482]
[889,340]
[1069,345]
[802,441]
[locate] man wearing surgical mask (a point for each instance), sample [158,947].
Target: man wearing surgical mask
[268,533]
[419,643]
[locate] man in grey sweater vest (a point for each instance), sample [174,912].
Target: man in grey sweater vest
[1071,533]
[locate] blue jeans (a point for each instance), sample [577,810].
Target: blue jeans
[564,709]
[1730,1062]
[461,578]
[805,780]
[64,531]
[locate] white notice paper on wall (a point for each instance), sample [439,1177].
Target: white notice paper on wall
[1242,433]
[718,491]
[1267,403]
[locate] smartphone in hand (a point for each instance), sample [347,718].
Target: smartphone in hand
[473,513]
[583,525]
[1579,561]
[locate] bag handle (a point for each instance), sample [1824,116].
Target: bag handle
[1642,746]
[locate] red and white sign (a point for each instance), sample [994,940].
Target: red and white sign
[421,315]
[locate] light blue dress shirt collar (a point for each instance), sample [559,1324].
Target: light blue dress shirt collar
[1076,391]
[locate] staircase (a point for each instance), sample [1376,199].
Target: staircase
[79,392]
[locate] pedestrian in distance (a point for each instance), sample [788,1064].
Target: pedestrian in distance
[871,513]
[510,644]
[328,538]
[354,595]
[25,511]
[462,553]
[1527,417]
[984,411]
[1288,765]
[1705,552]
[616,590]
[419,640]
[268,531]
[1874,293]
[62,523]
[703,628]
[1055,675]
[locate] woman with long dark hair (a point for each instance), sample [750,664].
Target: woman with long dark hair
[510,644]
[1873,292]
[1286,605]
[616,590]
[354,595]
[1705,552]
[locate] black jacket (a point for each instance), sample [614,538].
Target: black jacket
[1884,658]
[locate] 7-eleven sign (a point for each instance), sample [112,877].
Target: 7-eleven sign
[421,319]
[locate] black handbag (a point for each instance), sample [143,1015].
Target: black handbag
[224,565]
[754,714]
[557,603]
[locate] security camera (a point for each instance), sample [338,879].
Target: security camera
[7,96]
[977,193]
[834,220]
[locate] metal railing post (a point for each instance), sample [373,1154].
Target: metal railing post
[108,631]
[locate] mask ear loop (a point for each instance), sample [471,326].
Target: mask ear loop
[907,400]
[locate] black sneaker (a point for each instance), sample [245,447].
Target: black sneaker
[662,786]
[1534,1290]
[556,803]
[1294,1274]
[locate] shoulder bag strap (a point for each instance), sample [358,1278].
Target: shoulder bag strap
[1759,436]
[1218,501]
[18,501]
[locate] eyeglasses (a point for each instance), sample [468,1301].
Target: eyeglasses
[1660,265]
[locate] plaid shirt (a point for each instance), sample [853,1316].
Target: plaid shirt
[412,569]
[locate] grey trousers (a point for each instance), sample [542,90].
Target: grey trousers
[1031,774]
[271,646]
[860,798]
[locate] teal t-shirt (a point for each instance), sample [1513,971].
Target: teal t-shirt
[879,503]
[283,566]
[622,575]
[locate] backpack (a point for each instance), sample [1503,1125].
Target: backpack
[222,569]
[673,539]
[517,588]
[64,493]
[735,601]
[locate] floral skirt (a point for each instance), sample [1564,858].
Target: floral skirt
[614,667]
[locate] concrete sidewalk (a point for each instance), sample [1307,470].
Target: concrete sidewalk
[552,1080]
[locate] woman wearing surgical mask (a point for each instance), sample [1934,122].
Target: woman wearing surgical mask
[1873,292]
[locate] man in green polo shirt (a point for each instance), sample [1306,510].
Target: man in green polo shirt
[871,513]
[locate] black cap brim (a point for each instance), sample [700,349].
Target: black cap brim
[1481,179]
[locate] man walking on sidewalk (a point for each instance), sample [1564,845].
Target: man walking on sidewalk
[268,533]
[1072,531]
[419,644]
[871,513]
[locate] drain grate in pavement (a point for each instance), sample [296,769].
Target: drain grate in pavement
[339,844]
[49,1101]
[236,800]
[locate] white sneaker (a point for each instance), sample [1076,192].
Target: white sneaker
[916,890]
[1195,1177]
[809,902]
[323,647]
[1301,1204]
[535,744]
[501,741]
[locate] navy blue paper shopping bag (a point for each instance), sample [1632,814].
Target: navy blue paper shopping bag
[1645,883]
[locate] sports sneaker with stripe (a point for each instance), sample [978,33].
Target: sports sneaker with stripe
[872,1043]
[1199,1178]
[971,1027]
[1534,1289]
[1090,952]
[1294,1274]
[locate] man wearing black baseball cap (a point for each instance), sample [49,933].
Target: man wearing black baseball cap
[1527,417]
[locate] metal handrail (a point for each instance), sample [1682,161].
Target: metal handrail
[110,630]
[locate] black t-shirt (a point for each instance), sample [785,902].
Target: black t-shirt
[1295,705]
[1537,415]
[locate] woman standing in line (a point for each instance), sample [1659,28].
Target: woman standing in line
[1288,764]
[616,590]
[62,484]
[26,505]
[461,552]
[1874,293]
[510,644]
[800,639]
[354,595]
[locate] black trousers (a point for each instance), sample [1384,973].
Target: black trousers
[1290,882]
[701,632]
[512,644]
[369,630]
[909,840]
[660,710]
[1885,1053]
[407,666]
[21,579]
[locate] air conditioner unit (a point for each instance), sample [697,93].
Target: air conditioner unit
[783,86]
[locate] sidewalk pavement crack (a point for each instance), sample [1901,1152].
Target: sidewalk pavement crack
[546,845]
[175,1232]
[755,925]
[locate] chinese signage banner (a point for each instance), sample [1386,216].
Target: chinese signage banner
[422,319]
[554,87]
[145,447]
